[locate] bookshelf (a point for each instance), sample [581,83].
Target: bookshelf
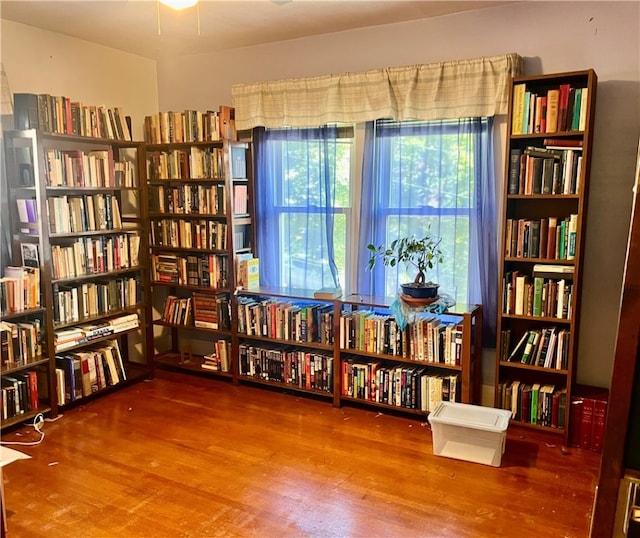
[435,357]
[201,214]
[79,216]
[286,339]
[550,131]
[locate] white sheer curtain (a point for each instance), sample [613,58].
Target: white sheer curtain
[445,90]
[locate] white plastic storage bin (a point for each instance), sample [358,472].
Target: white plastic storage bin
[469,432]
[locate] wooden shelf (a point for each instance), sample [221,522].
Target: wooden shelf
[39,153]
[180,336]
[529,208]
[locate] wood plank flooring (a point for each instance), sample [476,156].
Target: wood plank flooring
[183,456]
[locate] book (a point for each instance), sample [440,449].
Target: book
[26,111]
[517,125]
[30,255]
[328,293]
[514,171]
[563,106]
[582,122]
[552,270]
[227,122]
[588,425]
[249,273]
[520,345]
[553,104]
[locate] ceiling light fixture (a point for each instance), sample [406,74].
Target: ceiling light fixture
[178,5]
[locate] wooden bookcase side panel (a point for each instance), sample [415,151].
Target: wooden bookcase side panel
[521,209]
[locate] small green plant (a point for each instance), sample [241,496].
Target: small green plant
[421,253]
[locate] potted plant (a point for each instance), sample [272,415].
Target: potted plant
[422,253]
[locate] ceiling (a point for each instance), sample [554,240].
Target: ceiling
[134,25]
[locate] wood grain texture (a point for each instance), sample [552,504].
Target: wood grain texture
[184,456]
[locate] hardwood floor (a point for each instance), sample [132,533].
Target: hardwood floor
[183,456]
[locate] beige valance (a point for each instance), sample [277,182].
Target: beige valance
[445,90]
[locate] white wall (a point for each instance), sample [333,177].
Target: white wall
[39,61]
[552,37]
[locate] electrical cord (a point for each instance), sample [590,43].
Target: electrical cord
[38,421]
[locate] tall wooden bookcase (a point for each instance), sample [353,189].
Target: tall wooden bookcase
[548,158]
[78,206]
[201,200]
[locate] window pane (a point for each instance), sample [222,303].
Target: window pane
[303,166]
[305,261]
[424,181]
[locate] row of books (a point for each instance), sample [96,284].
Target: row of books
[211,311]
[548,170]
[68,338]
[534,403]
[242,236]
[78,302]
[547,348]
[286,320]
[555,110]
[199,310]
[59,114]
[188,199]
[411,387]
[28,215]
[79,169]
[19,289]
[552,238]
[537,296]
[92,169]
[82,373]
[218,359]
[19,393]
[436,339]
[587,417]
[240,199]
[202,270]
[373,332]
[194,163]
[182,233]
[89,213]
[190,126]
[20,343]
[95,255]
[297,367]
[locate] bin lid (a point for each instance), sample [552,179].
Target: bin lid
[471,416]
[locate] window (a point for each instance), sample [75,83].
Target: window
[304,205]
[432,176]
[416,176]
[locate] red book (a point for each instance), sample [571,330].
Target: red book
[563,106]
[575,422]
[68,121]
[595,399]
[551,238]
[597,425]
[33,389]
[586,424]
